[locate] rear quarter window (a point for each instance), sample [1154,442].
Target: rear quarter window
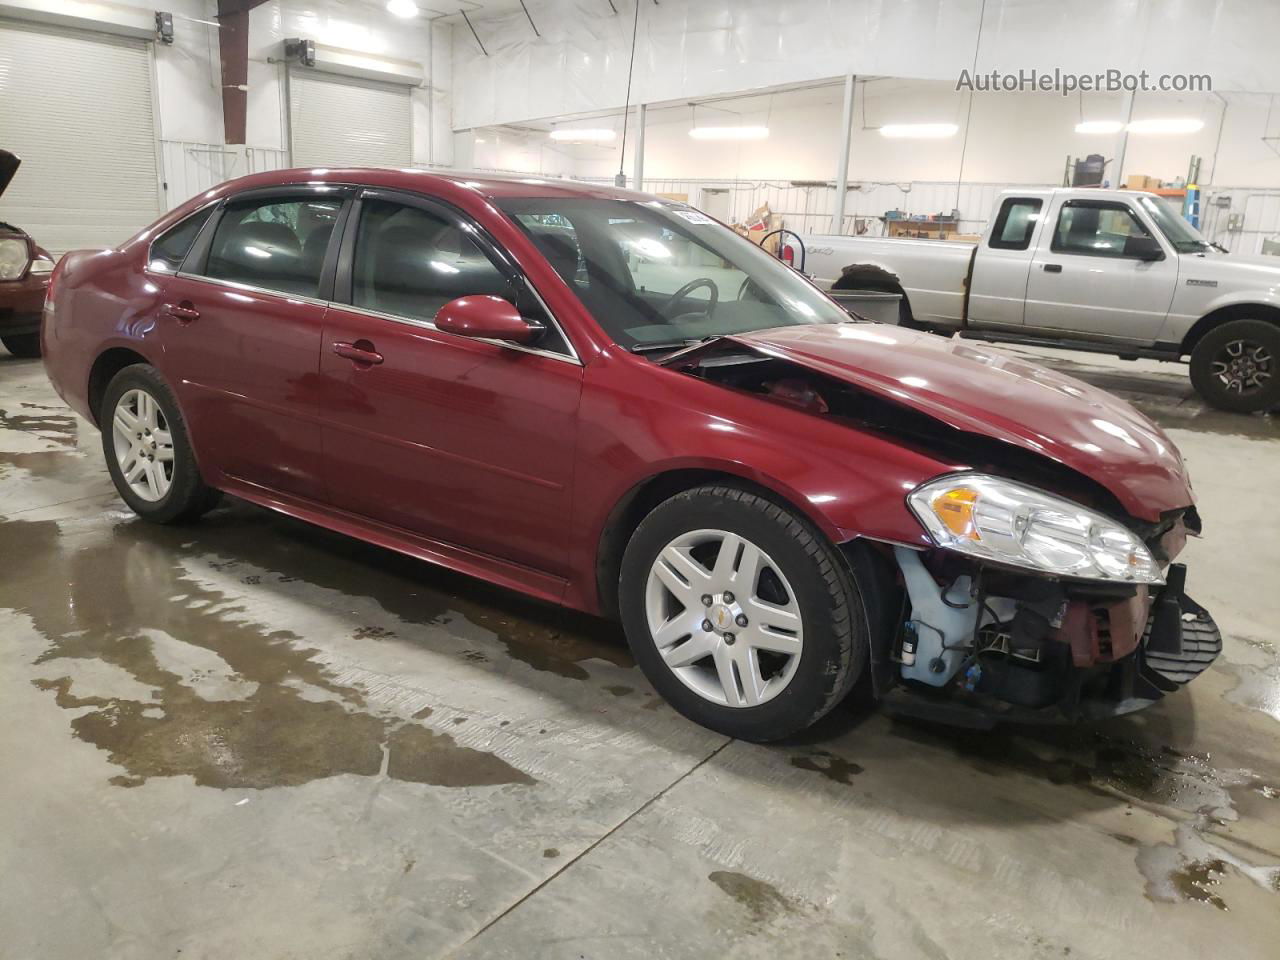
[1015,223]
[170,248]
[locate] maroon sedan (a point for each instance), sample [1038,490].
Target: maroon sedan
[24,276]
[610,401]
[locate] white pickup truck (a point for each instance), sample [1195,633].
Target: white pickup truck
[1110,271]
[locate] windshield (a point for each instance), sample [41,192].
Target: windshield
[656,274]
[1184,237]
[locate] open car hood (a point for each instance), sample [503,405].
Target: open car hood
[9,164]
[984,391]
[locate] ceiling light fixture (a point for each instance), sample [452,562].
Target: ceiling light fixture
[1099,126]
[918,131]
[583,136]
[1166,125]
[729,133]
[405,9]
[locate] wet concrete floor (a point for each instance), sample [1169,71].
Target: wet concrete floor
[249,737]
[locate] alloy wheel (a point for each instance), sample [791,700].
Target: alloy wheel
[724,618]
[143,445]
[1243,366]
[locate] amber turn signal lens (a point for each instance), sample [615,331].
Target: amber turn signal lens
[955,509]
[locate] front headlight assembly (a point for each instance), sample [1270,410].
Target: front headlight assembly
[1006,522]
[13,258]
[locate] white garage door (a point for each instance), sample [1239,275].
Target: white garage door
[345,122]
[77,108]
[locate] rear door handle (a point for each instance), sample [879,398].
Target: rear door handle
[1053,268]
[183,312]
[361,352]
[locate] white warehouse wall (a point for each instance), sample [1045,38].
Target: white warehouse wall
[700,48]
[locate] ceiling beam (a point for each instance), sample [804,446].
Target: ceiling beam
[233,52]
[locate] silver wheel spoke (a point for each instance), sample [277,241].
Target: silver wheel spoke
[697,647]
[761,638]
[747,661]
[681,574]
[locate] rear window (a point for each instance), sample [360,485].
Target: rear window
[1015,223]
[171,247]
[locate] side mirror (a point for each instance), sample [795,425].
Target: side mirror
[1143,248]
[486,318]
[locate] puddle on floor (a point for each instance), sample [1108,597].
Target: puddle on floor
[762,901]
[231,704]
[1197,797]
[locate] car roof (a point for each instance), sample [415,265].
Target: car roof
[489,185]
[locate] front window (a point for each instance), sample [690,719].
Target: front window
[656,274]
[1184,237]
[1098,229]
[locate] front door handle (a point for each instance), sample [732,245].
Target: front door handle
[360,353]
[183,312]
[1053,268]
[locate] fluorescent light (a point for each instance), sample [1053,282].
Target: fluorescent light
[919,131]
[402,8]
[1166,125]
[1099,126]
[583,135]
[729,133]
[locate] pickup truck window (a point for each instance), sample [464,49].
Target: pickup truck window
[1015,223]
[1096,228]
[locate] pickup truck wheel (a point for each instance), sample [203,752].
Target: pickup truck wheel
[741,614]
[25,345]
[148,453]
[1237,366]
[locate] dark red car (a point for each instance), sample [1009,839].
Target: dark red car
[611,401]
[24,276]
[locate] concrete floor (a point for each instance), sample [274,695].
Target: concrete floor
[250,738]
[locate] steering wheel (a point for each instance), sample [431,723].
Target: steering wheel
[668,309]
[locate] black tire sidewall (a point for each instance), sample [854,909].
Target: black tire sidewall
[1211,388]
[835,638]
[25,346]
[188,495]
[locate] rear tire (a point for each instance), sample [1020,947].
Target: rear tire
[1236,366]
[24,345]
[752,682]
[148,451]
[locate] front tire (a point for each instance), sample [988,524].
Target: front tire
[1236,366]
[741,614]
[148,452]
[23,345]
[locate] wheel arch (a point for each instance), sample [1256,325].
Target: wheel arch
[105,366]
[1268,313]
[636,504]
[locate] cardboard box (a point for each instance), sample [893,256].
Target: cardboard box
[760,224]
[1140,181]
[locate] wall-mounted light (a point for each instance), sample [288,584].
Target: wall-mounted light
[1099,126]
[729,133]
[1166,125]
[584,136]
[402,8]
[918,131]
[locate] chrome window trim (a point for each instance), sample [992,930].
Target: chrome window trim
[395,318]
[250,288]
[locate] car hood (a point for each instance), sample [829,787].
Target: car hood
[984,391]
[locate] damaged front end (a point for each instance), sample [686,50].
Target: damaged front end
[1050,593]
[977,644]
